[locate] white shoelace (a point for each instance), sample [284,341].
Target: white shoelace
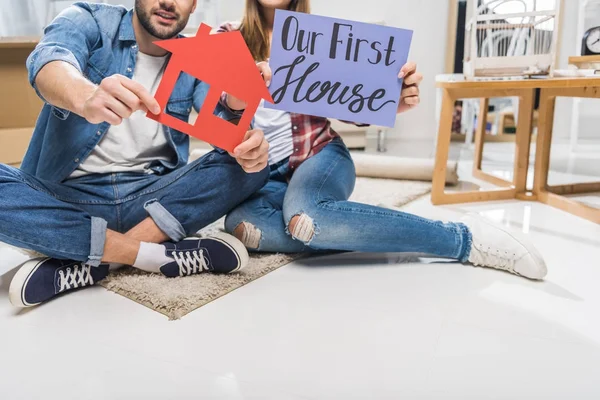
[191,262]
[488,257]
[75,276]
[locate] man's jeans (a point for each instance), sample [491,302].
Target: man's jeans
[69,220]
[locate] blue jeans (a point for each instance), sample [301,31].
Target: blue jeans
[320,189]
[69,220]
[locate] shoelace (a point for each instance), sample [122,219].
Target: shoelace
[494,258]
[75,276]
[191,262]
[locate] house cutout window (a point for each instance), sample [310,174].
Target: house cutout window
[181,103]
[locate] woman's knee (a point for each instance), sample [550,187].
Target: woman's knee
[301,221]
[302,227]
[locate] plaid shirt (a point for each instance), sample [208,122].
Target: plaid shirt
[309,133]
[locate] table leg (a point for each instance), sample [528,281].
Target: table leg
[443,148]
[480,133]
[544,141]
[523,140]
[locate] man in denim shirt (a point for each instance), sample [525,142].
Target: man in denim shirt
[101,184]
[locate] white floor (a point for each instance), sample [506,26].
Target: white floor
[342,327]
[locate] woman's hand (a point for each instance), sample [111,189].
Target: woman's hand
[265,70]
[409,97]
[253,153]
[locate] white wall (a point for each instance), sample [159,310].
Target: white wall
[562,116]
[28,17]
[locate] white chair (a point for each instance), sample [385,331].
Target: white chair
[497,43]
[511,37]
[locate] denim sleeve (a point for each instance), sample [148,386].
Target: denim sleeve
[222,110]
[68,38]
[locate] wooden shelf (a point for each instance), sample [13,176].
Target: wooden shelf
[476,86]
[584,59]
[19,42]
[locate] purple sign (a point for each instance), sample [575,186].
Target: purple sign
[336,68]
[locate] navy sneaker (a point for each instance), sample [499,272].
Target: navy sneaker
[220,253]
[41,279]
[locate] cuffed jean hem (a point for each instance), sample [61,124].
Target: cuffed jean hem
[165,221]
[97,241]
[466,240]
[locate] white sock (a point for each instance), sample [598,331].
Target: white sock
[151,257]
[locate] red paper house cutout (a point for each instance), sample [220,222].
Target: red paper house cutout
[224,62]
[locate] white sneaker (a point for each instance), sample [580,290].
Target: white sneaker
[495,247]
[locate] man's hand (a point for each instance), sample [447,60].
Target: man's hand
[409,97]
[253,153]
[265,70]
[116,98]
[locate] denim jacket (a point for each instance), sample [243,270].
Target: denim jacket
[99,41]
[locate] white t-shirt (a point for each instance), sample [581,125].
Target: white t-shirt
[138,140]
[277,126]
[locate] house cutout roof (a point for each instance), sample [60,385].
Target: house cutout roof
[221,60]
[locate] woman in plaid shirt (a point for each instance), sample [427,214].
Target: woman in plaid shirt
[304,207]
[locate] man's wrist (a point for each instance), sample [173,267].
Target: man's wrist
[82,97]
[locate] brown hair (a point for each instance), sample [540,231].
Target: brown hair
[254,27]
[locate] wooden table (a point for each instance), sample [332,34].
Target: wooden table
[517,188]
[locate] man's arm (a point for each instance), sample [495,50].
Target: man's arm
[63,86]
[116,98]
[56,72]
[65,49]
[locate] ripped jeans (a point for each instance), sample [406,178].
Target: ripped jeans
[318,194]
[69,220]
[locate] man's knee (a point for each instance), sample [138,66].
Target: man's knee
[7,173]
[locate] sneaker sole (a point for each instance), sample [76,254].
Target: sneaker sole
[235,245]
[523,241]
[20,280]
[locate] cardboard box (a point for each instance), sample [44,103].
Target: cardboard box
[13,144]
[19,105]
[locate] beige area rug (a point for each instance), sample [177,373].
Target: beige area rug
[180,296]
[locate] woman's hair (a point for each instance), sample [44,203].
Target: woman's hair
[254,27]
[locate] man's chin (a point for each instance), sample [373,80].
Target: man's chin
[164,34]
